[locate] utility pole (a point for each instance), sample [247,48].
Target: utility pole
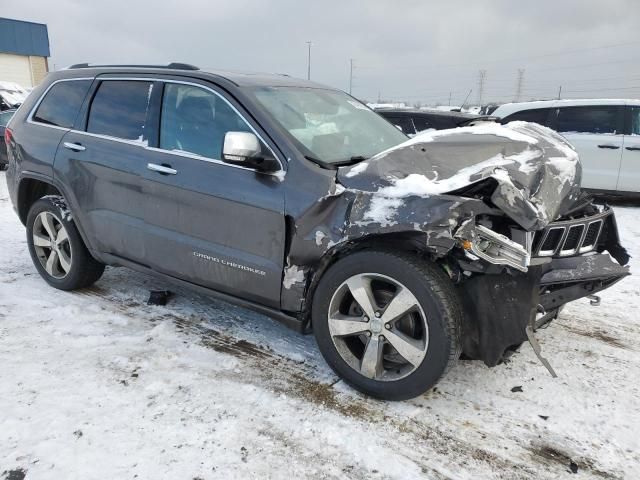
[309,60]
[449,98]
[559,92]
[350,75]
[482,75]
[519,85]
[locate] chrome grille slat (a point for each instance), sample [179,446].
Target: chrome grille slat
[589,244]
[570,237]
[551,241]
[572,240]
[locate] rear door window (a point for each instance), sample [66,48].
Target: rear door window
[422,123]
[633,121]
[119,109]
[535,115]
[62,102]
[590,119]
[404,123]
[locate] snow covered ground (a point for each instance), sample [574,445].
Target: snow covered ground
[95,384]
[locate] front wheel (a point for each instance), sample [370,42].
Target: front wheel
[387,323]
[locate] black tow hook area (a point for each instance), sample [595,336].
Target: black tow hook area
[594,300]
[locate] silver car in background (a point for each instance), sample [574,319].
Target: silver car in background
[605,132]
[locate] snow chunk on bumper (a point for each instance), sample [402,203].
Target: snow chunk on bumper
[537,172]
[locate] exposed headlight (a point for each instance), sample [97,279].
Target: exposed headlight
[495,248]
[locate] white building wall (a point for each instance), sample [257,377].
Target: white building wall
[17,68]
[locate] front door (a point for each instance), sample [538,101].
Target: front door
[629,180]
[208,222]
[597,134]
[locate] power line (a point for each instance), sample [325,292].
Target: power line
[603,89]
[502,96]
[550,83]
[586,65]
[565,52]
[501,91]
[519,58]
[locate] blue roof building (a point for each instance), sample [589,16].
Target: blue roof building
[24,49]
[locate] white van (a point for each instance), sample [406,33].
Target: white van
[606,134]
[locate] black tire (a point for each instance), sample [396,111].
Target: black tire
[84,269]
[3,167]
[435,293]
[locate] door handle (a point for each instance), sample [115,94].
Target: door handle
[76,147]
[635,147]
[164,169]
[609,146]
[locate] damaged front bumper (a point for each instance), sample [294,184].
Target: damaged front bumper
[568,279]
[571,259]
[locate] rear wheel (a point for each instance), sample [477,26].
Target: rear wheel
[56,248]
[387,323]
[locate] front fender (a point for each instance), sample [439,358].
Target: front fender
[346,217]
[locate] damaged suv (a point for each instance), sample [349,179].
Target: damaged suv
[299,201]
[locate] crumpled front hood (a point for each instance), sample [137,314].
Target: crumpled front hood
[537,171]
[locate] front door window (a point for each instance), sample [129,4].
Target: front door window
[195,121]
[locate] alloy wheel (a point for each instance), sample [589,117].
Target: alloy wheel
[51,243]
[378,327]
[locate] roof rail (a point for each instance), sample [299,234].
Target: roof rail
[172,66]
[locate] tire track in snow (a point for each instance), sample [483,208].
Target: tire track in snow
[283,375]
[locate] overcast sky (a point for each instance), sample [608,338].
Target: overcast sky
[414,50]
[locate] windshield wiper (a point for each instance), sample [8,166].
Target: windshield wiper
[314,159]
[353,160]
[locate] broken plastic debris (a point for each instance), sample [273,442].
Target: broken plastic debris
[158,297]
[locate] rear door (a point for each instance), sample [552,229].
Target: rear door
[629,180]
[102,162]
[208,222]
[53,115]
[596,131]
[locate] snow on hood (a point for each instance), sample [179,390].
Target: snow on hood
[12,93]
[537,171]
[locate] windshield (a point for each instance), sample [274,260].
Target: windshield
[330,125]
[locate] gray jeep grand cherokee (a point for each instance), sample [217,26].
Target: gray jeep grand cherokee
[297,200]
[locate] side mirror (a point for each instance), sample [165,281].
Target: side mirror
[243,148]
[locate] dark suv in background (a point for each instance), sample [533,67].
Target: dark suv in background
[299,201]
[413,120]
